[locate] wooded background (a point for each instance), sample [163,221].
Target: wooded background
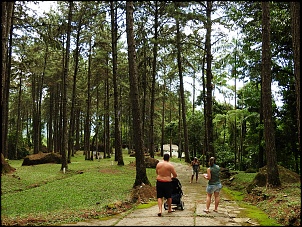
[70,81]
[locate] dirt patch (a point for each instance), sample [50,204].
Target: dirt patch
[143,194]
[110,171]
[5,167]
[42,158]
[286,175]
[149,162]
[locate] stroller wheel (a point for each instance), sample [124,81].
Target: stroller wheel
[165,206]
[182,205]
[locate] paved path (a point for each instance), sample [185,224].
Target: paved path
[194,198]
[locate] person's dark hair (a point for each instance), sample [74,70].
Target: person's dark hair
[211,161]
[166,157]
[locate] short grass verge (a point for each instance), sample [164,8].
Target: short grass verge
[250,211]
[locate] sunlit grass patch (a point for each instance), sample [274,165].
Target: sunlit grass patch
[257,214]
[44,191]
[146,205]
[233,195]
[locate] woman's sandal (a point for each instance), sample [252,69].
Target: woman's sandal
[171,211]
[159,214]
[206,211]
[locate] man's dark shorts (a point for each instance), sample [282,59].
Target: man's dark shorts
[164,189]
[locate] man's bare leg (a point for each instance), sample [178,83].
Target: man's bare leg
[169,201]
[160,206]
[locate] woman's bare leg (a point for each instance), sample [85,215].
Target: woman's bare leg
[208,202]
[217,199]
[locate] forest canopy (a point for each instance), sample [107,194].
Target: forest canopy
[66,84]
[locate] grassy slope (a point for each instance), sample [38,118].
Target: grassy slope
[282,205]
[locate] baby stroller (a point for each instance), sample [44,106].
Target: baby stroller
[176,195]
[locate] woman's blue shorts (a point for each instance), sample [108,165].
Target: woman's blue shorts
[211,188]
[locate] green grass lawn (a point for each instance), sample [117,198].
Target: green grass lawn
[44,191]
[44,195]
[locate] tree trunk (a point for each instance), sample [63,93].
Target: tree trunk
[163,120]
[50,121]
[107,117]
[180,134]
[71,147]
[209,85]
[77,127]
[295,16]
[57,117]
[18,117]
[151,148]
[6,27]
[260,145]
[236,150]
[87,125]
[35,135]
[37,92]
[64,165]
[141,175]
[117,130]
[182,94]
[205,143]
[142,88]
[273,179]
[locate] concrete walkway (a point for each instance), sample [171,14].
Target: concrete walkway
[194,198]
